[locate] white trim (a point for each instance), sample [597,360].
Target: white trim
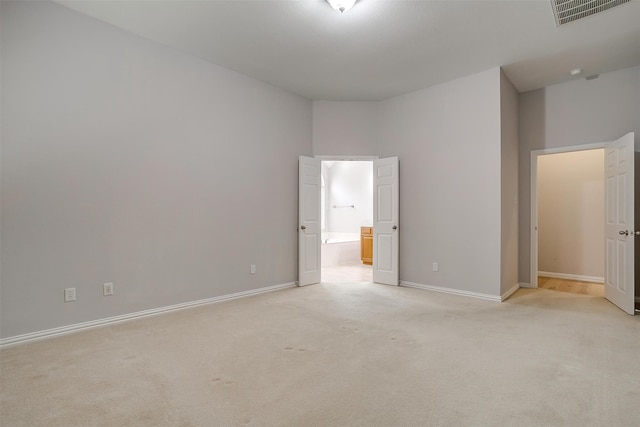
[533,217]
[346,158]
[510,292]
[593,279]
[526,285]
[533,222]
[69,329]
[495,298]
[571,148]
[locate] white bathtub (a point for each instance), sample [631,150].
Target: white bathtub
[329,237]
[340,249]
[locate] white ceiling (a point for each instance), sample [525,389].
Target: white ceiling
[381,48]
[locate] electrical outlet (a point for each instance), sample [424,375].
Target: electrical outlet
[107,289]
[435,266]
[69,294]
[253,269]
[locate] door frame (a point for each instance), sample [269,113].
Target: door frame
[533,226]
[342,158]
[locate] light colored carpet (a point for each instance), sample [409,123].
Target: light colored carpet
[340,355]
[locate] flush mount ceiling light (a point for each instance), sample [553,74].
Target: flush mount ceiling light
[341,5]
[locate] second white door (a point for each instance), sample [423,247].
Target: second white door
[619,223]
[386,220]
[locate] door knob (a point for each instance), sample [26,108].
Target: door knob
[637,232]
[395,227]
[623,233]
[302,227]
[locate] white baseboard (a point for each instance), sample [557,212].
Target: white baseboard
[510,292]
[65,330]
[526,285]
[578,277]
[496,298]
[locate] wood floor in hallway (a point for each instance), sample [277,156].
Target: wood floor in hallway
[364,273]
[572,286]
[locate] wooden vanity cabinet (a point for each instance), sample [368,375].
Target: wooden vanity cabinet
[366,245]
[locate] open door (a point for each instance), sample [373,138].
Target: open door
[309,227]
[385,220]
[619,228]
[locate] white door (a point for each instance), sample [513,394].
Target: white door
[309,221]
[619,227]
[385,220]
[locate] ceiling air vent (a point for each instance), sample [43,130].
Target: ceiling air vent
[567,11]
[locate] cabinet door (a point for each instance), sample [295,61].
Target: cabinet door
[366,245]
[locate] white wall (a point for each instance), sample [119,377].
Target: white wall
[458,149]
[573,113]
[571,213]
[124,161]
[350,183]
[448,140]
[345,128]
[509,184]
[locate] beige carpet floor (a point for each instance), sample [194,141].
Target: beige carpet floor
[339,355]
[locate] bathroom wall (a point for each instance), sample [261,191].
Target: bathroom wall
[349,183]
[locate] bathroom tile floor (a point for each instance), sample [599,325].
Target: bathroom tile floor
[347,273]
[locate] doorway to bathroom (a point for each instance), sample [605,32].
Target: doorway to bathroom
[346,209]
[384,230]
